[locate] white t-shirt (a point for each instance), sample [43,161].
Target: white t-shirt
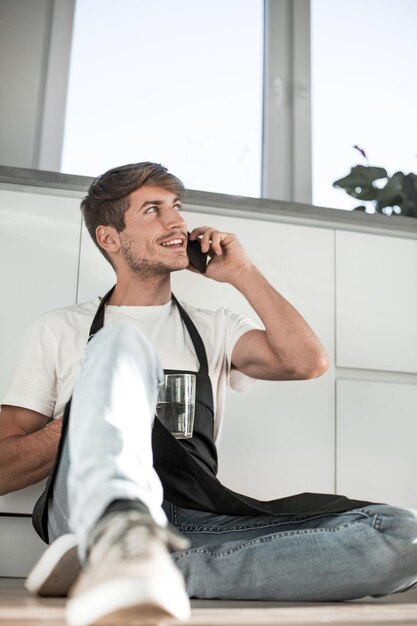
[54,344]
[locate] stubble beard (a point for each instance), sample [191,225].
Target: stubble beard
[143,266]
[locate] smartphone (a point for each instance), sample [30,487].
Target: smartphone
[197,258]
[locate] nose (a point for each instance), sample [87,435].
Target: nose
[173,219]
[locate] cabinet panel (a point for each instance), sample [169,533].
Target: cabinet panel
[96,274]
[376,441]
[376,302]
[20,547]
[21,501]
[284,431]
[39,244]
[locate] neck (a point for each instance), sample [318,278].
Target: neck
[140,291]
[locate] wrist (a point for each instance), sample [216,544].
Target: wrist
[243,275]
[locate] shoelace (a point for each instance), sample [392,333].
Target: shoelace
[128,534]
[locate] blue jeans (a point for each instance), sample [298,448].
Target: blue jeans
[370,551]
[108,456]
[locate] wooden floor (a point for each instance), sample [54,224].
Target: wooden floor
[19,608]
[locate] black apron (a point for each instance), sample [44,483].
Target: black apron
[187,468]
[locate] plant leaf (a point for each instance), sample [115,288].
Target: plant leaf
[409,187]
[359,182]
[392,194]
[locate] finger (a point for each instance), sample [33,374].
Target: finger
[212,242]
[197,232]
[210,238]
[206,240]
[216,241]
[204,233]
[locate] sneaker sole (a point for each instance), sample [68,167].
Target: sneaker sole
[122,602]
[138,615]
[56,570]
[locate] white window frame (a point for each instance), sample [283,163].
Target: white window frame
[286,167]
[52,123]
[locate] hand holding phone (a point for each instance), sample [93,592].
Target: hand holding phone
[197,258]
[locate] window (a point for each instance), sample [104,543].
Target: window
[179,83]
[364,90]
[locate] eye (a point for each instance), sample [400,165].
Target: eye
[178,207]
[152,209]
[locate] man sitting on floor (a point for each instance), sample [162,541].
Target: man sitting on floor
[122,490]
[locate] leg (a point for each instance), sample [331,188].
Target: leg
[108,453]
[127,571]
[370,551]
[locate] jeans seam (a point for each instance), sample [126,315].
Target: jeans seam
[174,513]
[222,529]
[245,527]
[259,540]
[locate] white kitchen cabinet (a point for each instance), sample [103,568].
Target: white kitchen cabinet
[284,431]
[376,302]
[20,546]
[96,274]
[376,441]
[23,500]
[39,249]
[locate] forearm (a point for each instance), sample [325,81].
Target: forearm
[288,349]
[27,459]
[289,336]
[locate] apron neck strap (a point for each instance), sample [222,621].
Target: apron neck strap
[98,323]
[195,338]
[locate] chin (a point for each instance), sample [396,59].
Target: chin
[181,264]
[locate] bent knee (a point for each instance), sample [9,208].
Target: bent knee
[397,522]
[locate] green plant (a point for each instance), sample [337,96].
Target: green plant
[398,195]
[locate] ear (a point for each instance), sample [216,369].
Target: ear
[108,238]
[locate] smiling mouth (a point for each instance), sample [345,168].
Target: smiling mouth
[173,243]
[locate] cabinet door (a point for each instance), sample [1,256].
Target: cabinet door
[23,500]
[277,439]
[20,547]
[376,441]
[96,274]
[376,302]
[39,245]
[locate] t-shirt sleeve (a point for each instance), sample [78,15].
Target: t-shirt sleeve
[34,381]
[237,325]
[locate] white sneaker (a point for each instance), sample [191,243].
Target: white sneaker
[57,569]
[129,577]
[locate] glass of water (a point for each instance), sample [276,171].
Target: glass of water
[176,404]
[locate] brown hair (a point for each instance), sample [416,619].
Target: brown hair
[107,199]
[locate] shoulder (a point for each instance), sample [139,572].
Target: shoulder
[74,311]
[222,319]
[57,321]
[205,316]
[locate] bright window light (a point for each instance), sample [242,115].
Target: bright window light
[364,90]
[175,82]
